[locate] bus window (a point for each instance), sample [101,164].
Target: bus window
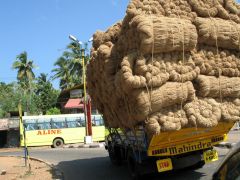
[101,121]
[80,121]
[71,124]
[93,121]
[44,125]
[71,119]
[58,123]
[97,120]
[30,126]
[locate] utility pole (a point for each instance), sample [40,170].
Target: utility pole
[88,121]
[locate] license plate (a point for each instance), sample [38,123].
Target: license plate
[164,165]
[210,156]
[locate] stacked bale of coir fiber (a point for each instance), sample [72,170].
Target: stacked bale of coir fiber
[168,65]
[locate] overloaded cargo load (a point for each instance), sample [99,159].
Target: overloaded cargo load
[168,65]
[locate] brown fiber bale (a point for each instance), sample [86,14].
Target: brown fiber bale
[159,68]
[183,72]
[203,112]
[149,76]
[205,8]
[210,86]
[226,9]
[213,63]
[179,70]
[143,102]
[110,35]
[172,118]
[215,31]
[231,110]
[152,125]
[173,8]
[163,34]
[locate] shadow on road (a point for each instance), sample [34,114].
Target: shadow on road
[101,169]
[92,169]
[181,175]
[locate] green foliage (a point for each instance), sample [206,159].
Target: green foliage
[2,113]
[42,97]
[10,96]
[53,111]
[45,96]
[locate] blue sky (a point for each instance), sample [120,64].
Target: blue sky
[41,27]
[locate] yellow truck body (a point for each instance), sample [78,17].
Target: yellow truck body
[188,140]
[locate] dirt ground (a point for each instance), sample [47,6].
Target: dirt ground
[15,169]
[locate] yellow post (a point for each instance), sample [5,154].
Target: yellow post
[23,137]
[20,125]
[84,90]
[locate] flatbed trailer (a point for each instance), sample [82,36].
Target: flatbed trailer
[189,147]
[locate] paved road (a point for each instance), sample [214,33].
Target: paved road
[93,163]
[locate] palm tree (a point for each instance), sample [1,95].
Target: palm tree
[75,61]
[25,74]
[62,72]
[25,69]
[70,66]
[43,77]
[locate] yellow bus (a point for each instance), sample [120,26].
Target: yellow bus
[57,130]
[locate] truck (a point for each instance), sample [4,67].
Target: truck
[167,151]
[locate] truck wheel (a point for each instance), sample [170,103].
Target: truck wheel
[198,165]
[133,167]
[115,155]
[57,143]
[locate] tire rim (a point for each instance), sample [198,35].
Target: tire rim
[58,143]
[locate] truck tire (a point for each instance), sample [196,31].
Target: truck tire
[133,167]
[198,165]
[57,143]
[115,155]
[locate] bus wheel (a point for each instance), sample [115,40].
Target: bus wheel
[57,143]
